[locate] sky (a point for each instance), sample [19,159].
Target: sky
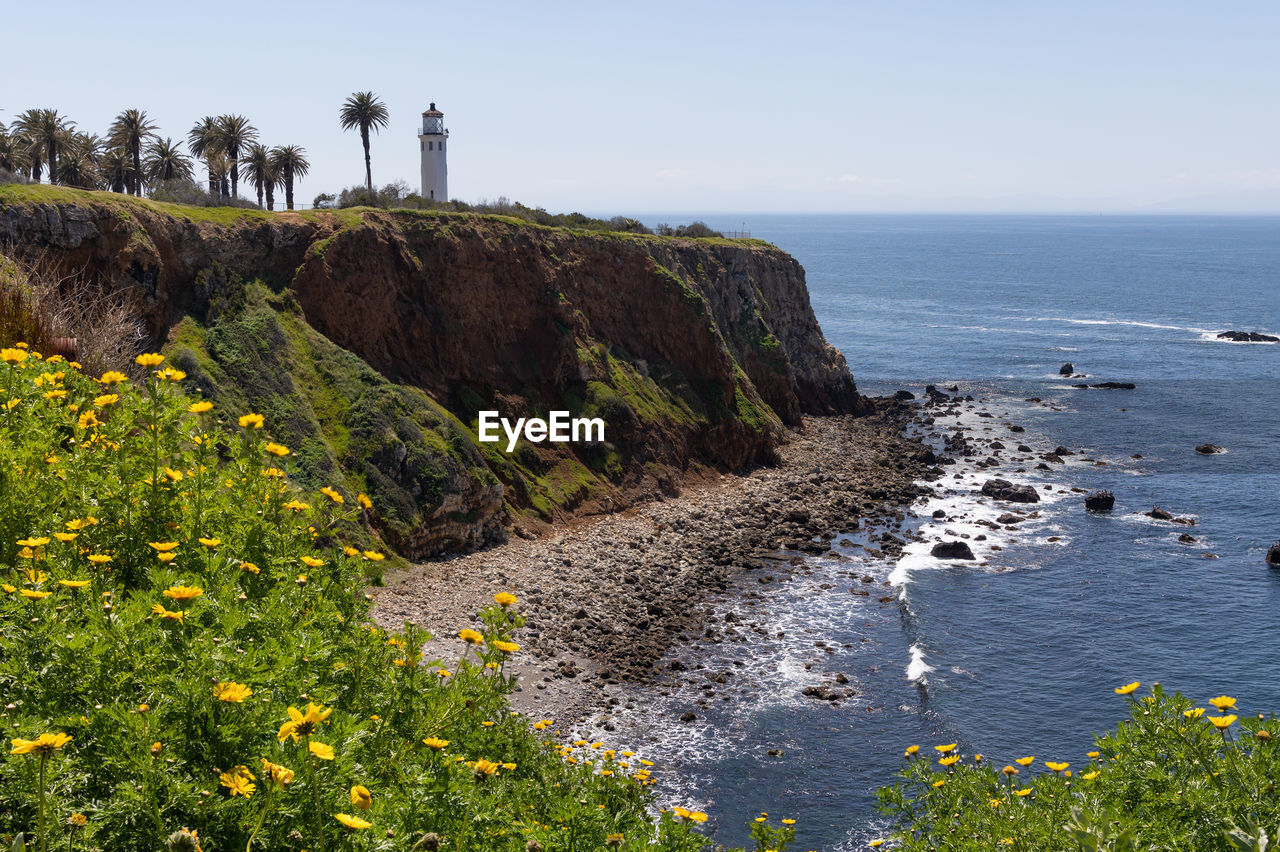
[933,105]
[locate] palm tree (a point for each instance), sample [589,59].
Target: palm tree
[364,110]
[130,130]
[45,131]
[234,133]
[202,139]
[165,161]
[13,151]
[290,162]
[78,161]
[257,167]
[116,167]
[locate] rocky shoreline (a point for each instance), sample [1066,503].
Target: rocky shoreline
[607,597]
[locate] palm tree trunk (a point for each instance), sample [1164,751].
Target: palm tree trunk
[368,168]
[271,197]
[52,158]
[259,194]
[235,177]
[288,189]
[137,168]
[213,181]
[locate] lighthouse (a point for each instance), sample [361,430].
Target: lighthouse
[435,170]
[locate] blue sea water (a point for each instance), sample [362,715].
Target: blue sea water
[1019,654]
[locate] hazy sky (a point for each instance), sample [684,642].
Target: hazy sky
[708,106]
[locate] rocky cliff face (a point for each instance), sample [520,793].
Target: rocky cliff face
[371,339]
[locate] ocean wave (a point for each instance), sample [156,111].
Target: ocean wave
[917,669]
[1130,323]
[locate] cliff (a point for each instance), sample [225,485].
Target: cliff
[371,339]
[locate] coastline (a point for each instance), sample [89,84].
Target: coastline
[607,597]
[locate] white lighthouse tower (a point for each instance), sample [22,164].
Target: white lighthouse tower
[435,170]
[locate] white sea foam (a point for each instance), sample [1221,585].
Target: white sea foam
[917,668]
[1131,323]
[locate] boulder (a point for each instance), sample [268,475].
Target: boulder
[1066,369]
[904,396]
[1003,489]
[1159,514]
[951,550]
[1273,555]
[1247,337]
[1210,449]
[1109,385]
[1099,501]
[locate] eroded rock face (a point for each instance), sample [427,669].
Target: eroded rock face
[695,351]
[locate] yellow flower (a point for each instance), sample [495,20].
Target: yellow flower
[41,745]
[350,551]
[506,647]
[13,356]
[444,673]
[99,558]
[911,750]
[484,767]
[1222,722]
[33,542]
[332,495]
[169,615]
[250,421]
[65,536]
[1089,776]
[311,561]
[1193,713]
[35,596]
[166,557]
[1056,767]
[276,774]
[106,399]
[487,724]
[876,844]
[945,748]
[1128,688]
[210,542]
[232,692]
[297,506]
[939,783]
[1009,770]
[237,784]
[81,523]
[504,599]
[361,798]
[510,767]
[1222,702]
[173,475]
[352,822]
[250,567]
[151,359]
[303,724]
[183,593]
[1263,735]
[788,822]
[320,750]
[77,820]
[1025,761]
[697,816]
[200,407]
[88,420]
[470,636]
[1025,791]
[374,556]
[435,743]
[363,500]
[1094,754]
[171,374]
[949,760]
[112,377]
[8,590]
[276,449]
[74,584]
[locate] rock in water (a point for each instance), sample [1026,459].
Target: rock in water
[951,550]
[1273,555]
[1099,501]
[1247,337]
[1209,449]
[1066,369]
[1159,514]
[1003,489]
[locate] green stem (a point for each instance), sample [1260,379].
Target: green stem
[44,758]
[266,806]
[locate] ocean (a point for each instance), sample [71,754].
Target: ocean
[1019,653]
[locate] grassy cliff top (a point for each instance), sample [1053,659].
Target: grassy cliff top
[30,194]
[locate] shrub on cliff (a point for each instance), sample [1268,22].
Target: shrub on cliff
[184,654]
[1171,776]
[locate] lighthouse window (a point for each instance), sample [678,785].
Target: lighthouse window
[431,146]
